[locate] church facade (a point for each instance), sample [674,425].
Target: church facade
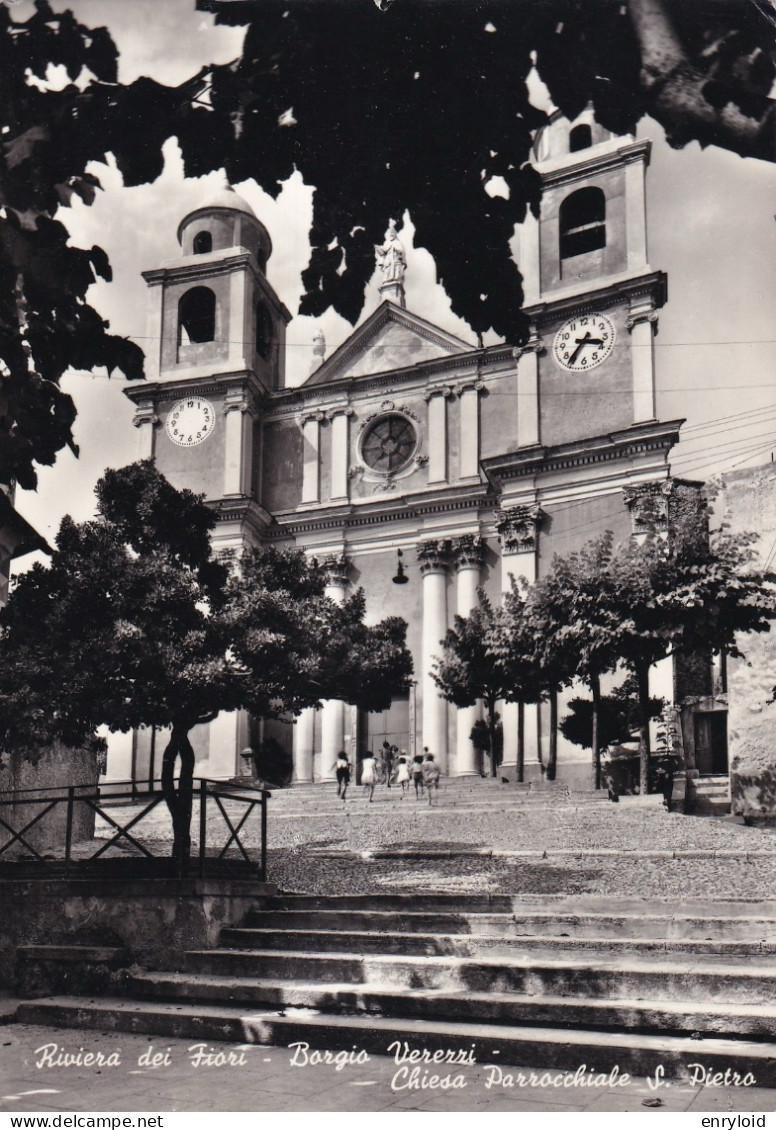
[478,464]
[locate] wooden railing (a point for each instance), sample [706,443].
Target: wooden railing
[50,817]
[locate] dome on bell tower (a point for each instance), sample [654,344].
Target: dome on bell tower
[223,221]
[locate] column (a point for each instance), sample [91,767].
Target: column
[469,465]
[528,432]
[437,433]
[340,450]
[518,532]
[311,455]
[433,557]
[304,734]
[642,323]
[529,259]
[145,415]
[468,552]
[238,424]
[333,714]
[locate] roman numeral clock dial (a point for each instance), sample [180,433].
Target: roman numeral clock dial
[190,421]
[583,342]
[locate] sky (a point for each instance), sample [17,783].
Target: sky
[710,227]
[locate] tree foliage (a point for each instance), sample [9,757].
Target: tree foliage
[134,623]
[421,105]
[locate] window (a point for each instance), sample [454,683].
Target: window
[203,242]
[582,222]
[581,137]
[263,332]
[197,316]
[389,444]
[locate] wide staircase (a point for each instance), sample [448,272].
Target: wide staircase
[545,982]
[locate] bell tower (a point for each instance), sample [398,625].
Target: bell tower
[589,289]
[216,347]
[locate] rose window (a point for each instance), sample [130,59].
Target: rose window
[389,444]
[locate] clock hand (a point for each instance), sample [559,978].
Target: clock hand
[581,343]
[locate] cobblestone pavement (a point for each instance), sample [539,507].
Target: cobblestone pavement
[491,843]
[266,1079]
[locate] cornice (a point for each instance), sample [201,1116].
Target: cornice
[195,270]
[242,509]
[598,449]
[284,402]
[160,391]
[401,508]
[596,164]
[653,286]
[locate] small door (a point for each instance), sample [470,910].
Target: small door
[711,754]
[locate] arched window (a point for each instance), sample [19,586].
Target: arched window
[582,222]
[197,316]
[263,332]
[203,242]
[581,137]
[261,258]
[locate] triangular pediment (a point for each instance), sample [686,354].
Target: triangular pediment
[391,338]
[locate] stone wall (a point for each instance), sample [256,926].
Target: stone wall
[155,920]
[49,773]
[748,501]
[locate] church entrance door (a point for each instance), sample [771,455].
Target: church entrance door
[392,726]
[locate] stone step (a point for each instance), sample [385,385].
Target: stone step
[563,926]
[520,906]
[532,1047]
[756,1021]
[601,975]
[470,945]
[400,902]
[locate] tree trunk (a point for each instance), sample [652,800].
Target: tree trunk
[492,737]
[179,802]
[642,680]
[520,740]
[552,757]
[595,687]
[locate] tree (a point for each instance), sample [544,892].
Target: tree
[618,717]
[134,623]
[583,612]
[428,110]
[431,102]
[524,661]
[474,665]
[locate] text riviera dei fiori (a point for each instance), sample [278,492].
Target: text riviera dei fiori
[417,1068]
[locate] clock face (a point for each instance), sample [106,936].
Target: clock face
[583,342]
[190,421]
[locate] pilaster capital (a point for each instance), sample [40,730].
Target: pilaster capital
[440,390]
[535,344]
[235,405]
[434,555]
[468,552]
[315,415]
[339,410]
[518,528]
[145,414]
[648,506]
[636,317]
[476,384]
[336,566]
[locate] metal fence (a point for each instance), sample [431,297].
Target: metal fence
[58,829]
